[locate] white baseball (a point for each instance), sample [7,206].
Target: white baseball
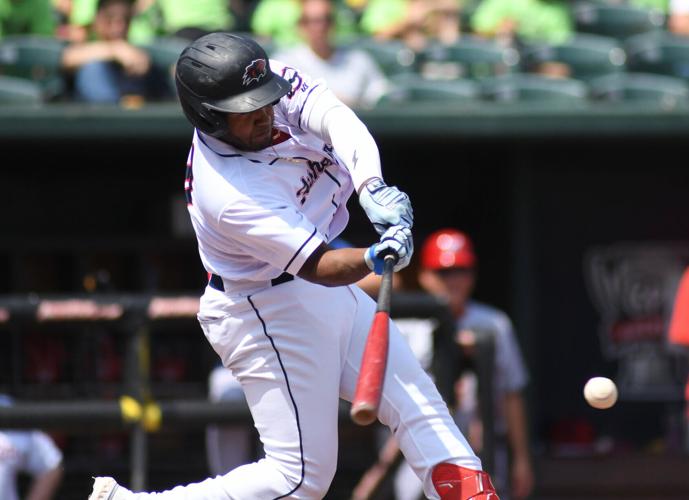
[600,392]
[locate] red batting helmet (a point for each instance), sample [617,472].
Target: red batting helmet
[447,248]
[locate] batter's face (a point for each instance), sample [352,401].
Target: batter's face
[251,131]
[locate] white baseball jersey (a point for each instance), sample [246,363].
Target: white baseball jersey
[31,452]
[259,214]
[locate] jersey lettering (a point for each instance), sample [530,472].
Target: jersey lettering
[189,177]
[296,81]
[314,171]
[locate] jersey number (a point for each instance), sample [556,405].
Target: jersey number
[189,177]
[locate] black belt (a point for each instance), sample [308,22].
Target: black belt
[217,283]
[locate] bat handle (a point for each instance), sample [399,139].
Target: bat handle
[384,293]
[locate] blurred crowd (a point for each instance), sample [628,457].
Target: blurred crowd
[369,51]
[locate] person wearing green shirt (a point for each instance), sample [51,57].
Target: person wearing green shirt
[279,21]
[26,17]
[163,17]
[413,21]
[530,20]
[106,67]
[379,14]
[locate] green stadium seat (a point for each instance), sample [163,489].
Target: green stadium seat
[661,53]
[469,57]
[415,88]
[526,87]
[393,56]
[164,52]
[616,20]
[36,58]
[666,91]
[19,91]
[587,56]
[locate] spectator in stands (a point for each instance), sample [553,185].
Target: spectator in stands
[416,22]
[32,452]
[351,74]
[279,20]
[179,18]
[678,19]
[28,17]
[524,20]
[65,30]
[155,18]
[107,68]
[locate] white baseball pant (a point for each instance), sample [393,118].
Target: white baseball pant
[296,349]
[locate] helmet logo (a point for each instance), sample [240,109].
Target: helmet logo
[254,71]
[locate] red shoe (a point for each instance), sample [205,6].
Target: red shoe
[453,482]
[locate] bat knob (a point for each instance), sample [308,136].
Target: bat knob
[363,414]
[390,256]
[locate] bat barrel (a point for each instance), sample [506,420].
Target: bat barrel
[369,387]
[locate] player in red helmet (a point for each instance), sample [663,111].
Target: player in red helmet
[448,270]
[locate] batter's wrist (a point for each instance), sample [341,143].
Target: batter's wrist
[363,184]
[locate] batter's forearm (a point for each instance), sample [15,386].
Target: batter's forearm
[335,267]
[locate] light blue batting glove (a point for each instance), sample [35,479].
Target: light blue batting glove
[385,205]
[398,240]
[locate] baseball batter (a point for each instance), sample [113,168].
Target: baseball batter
[274,158]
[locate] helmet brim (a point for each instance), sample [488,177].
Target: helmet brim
[251,100]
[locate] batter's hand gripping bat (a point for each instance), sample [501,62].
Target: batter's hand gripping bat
[372,373]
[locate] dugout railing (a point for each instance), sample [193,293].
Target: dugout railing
[138,412]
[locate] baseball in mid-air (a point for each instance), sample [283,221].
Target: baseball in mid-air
[600,392]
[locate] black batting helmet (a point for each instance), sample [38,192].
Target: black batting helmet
[224,73]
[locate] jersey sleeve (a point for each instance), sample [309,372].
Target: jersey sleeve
[311,107]
[42,455]
[274,233]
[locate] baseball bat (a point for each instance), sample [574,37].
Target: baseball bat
[369,386]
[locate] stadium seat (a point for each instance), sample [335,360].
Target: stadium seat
[587,56]
[36,58]
[415,88]
[526,87]
[661,53]
[393,56]
[19,91]
[469,57]
[164,52]
[666,91]
[616,20]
